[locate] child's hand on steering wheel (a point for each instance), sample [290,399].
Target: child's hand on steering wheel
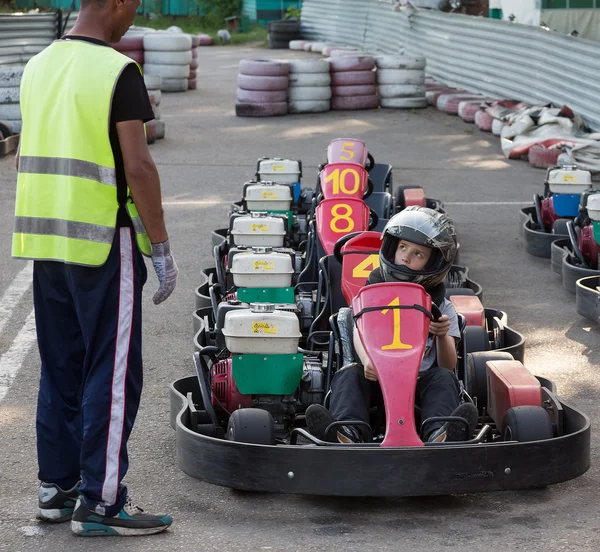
[370,372]
[439,328]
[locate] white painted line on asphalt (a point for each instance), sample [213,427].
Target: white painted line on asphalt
[14,293]
[486,202]
[12,360]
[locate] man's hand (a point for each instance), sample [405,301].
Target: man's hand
[166,271]
[370,372]
[441,327]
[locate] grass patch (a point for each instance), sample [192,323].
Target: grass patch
[198,24]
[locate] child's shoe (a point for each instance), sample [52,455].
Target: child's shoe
[456,431]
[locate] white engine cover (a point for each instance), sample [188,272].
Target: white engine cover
[268,196]
[252,331]
[569,180]
[258,229]
[262,270]
[593,207]
[279,170]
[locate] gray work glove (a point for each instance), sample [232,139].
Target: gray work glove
[166,270]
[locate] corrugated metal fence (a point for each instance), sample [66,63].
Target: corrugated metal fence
[493,57]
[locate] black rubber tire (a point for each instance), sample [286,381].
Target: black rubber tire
[526,423]
[399,202]
[5,130]
[251,425]
[278,44]
[560,227]
[572,272]
[285,26]
[460,291]
[279,36]
[477,374]
[476,338]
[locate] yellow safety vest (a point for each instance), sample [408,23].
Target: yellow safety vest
[66,206]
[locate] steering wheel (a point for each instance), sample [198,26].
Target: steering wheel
[437,313]
[574,244]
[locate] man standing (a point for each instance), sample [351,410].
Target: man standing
[88,205]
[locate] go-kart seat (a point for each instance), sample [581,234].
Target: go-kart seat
[381,175]
[381,204]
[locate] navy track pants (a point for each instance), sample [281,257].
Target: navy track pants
[89,329]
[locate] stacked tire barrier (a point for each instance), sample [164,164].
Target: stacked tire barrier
[309,86]
[10,110]
[194,64]
[154,129]
[401,81]
[353,83]
[204,40]
[262,88]
[168,55]
[132,46]
[282,32]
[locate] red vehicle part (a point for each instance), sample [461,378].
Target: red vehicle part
[343,180]
[360,256]
[347,150]
[225,393]
[471,308]
[396,350]
[414,196]
[549,215]
[510,384]
[588,246]
[336,218]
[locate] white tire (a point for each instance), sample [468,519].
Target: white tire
[167,42]
[318,46]
[153,82]
[174,85]
[167,71]
[168,58]
[160,130]
[156,111]
[342,51]
[11,76]
[309,106]
[310,79]
[309,66]
[401,91]
[10,94]
[400,62]
[307,46]
[403,103]
[297,44]
[175,29]
[157,94]
[400,76]
[10,112]
[309,93]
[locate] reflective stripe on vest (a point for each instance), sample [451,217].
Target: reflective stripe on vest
[66,207]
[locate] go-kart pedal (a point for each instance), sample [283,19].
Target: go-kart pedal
[318,419]
[455,430]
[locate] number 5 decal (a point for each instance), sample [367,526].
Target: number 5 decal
[397,344]
[348,152]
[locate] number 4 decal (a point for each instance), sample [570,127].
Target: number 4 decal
[365,267]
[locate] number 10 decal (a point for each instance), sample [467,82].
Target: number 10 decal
[397,344]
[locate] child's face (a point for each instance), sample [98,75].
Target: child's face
[412,255]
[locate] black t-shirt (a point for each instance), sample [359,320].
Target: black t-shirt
[130,103]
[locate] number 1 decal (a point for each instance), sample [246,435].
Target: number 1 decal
[350,153]
[397,344]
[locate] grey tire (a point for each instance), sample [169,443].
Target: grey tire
[264,68]
[309,66]
[314,106]
[403,103]
[351,63]
[355,102]
[261,96]
[401,91]
[10,95]
[160,130]
[309,93]
[167,42]
[174,85]
[152,82]
[156,94]
[168,58]
[400,62]
[167,71]
[261,110]
[251,82]
[310,79]
[400,76]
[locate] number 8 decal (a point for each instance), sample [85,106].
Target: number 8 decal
[337,216]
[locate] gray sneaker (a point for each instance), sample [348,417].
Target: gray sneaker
[55,504]
[131,521]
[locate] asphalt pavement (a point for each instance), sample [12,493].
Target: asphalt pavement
[207,156]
